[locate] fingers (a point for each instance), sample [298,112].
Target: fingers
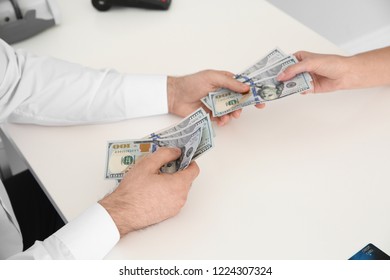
[190,173]
[163,155]
[260,106]
[223,120]
[293,70]
[226,80]
[301,55]
[304,65]
[236,114]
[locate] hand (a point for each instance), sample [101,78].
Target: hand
[329,72]
[184,93]
[145,196]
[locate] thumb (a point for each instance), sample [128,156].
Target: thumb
[303,65]
[227,80]
[293,70]
[162,156]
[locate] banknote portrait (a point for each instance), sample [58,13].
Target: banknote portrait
[269,92]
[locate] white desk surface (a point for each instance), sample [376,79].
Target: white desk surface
[305,178]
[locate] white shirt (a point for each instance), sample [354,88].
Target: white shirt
[46,91]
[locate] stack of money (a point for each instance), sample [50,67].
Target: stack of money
[193,135]
[261,77]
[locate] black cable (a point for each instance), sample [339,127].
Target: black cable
[17,10]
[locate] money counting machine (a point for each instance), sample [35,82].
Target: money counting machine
[21,19]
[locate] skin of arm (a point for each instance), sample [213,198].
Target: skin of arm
[335,72]
[370,69]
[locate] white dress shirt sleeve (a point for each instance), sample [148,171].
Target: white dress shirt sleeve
[46,91]
[90,236]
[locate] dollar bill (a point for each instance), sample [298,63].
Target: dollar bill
[193,135]
[270,59]
[122,155]
[261,77]
[187,143]
[206,101]
[189,149]
[191,118]
[273,71]
[206,142]
[262,91]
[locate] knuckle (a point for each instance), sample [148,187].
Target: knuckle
[169,150]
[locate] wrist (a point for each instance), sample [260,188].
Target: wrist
[371,68]
[352,77]
[116,212]
[171,93]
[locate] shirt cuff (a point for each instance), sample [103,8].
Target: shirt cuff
[90,236]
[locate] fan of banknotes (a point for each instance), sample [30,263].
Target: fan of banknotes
[261,77]
[194,134]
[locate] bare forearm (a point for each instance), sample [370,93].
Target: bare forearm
[369,69]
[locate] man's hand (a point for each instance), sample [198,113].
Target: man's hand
[184,93]
[145,196]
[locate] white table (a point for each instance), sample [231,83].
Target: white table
[305,178]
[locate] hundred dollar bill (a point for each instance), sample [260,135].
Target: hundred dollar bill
[308,77]
[206,142]
[274,68]
[262,91]
[273,71]
[206,101]
[188,145]
[270,59]
[189,149]
[193,117]
[122,155]
[263,87]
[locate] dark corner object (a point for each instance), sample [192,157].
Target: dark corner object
[18,23]
[104,5]
[24,28]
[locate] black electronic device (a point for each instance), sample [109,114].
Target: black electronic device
[104,5]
